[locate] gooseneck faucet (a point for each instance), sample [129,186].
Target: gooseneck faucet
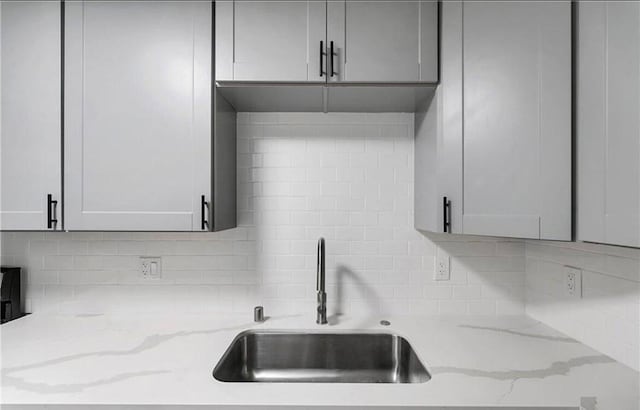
[320,279]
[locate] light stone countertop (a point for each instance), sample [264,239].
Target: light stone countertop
[159,360]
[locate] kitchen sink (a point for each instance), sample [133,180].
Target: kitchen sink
[274,356]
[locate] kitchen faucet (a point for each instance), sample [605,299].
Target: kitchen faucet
[320,279]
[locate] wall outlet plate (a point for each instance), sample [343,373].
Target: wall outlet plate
[573,282]
[150,267]
[442,270]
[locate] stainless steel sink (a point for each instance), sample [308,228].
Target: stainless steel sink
[270,356]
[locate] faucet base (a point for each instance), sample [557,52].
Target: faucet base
[322,308]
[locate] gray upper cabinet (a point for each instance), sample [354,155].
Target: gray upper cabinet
[382,41]
[138,126]
[320,41]
[30,147]
[270,40]
[438,146]
[503,135]
[517,119]
[608,122]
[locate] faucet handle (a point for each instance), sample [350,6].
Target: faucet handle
[322,308]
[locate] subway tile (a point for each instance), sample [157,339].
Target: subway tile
[87,262]
[42,277]
[22,237]
[335,160]
[160,247]
[363,218]
[350,233]
[43,247]
[290,232]
[117,262]
[467,292]
[290,262]
[390,247]
[103,247]
[364,248]
[377,233]
[111,277]
[292,291]
[131,248]
[345,177]
[407,263]
[58,262]
[185,277]
[407,291]
[379,262]
[86,236]
[438,292]
[394,276]
[71,247]
[321,203]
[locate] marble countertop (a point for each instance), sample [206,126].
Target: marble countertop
[510,362]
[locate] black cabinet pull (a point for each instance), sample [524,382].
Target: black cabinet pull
[446,214]
[204,208]
[331,59]
[322,53]
[52,211]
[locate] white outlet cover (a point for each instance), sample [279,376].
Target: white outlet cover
[442,268]
[150,267]
[572,282]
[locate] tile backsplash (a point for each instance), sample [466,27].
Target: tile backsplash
[349,179]
[607,317]
[346,177]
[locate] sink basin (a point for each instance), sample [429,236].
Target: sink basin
[271,356]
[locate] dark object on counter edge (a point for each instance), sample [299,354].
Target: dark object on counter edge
[10,294]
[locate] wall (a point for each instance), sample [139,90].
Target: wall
[607,317]
[349,178]
[346,177]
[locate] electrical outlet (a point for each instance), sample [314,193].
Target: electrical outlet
[573,282]
[150,267]
[442,269]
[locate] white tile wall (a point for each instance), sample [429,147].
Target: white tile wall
[347,177]
[607,317]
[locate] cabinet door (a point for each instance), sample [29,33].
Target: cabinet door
[137,115]
[438,137]
[270,40]
[31,116]
[517,119]
[386,41]
[608,134]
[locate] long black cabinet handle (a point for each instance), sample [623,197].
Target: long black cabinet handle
[322,53]
[52,211]
[331,59]
[446,214]
[204,207]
